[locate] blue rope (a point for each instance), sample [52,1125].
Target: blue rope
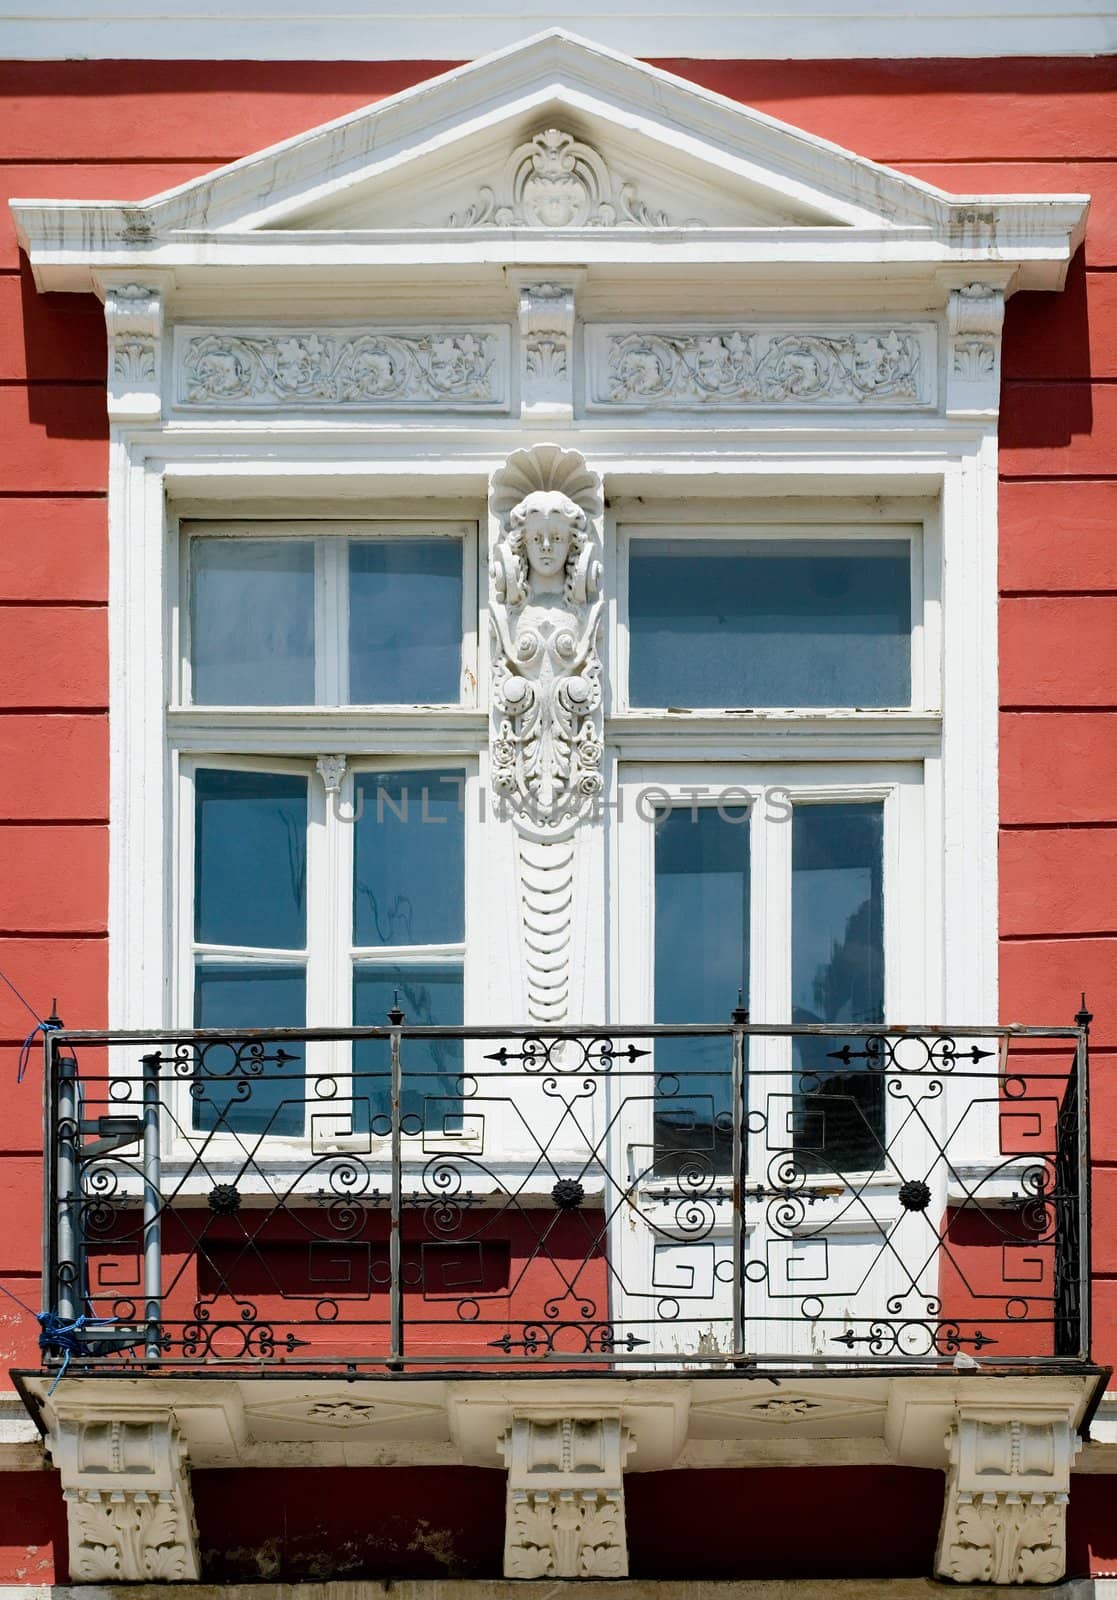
[63,1338]
[25,1048]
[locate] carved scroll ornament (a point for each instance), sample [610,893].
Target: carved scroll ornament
[554,180]
[545,609]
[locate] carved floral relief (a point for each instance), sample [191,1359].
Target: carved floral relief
[681,368]
[343,367]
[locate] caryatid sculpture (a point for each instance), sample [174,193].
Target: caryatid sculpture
[546,750]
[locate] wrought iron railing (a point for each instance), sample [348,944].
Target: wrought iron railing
[482,1199]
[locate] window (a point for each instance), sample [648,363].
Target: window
[791,889]
[307,908]
[366,614]
[772,618]
[277,884]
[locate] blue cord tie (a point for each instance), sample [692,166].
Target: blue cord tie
[58,1337]
[25,1048]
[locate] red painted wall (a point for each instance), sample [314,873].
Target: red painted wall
[126,129]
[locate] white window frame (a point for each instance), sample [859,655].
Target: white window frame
[840,520]
[330,954]
[331,539]
[909,848]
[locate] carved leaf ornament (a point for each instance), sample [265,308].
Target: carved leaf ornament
[341,368]
[557,181]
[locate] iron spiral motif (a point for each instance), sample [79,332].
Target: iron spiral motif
[569,1201]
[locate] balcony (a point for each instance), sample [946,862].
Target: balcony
[677,1244]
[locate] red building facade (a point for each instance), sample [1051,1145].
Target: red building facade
[290,1495]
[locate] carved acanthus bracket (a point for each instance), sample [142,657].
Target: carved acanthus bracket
[128,1500]
[546,312]
[565,1507]
[975,315]
[134,321]
[1006,1496]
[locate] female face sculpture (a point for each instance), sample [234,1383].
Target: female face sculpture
[545,524]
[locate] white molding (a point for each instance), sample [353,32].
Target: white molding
[734,29]
[352,195]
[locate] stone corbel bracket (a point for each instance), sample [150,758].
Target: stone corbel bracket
[975,315]
[128,1501]
[1006,1495]
[134,322]
[565,1505]
[546,318]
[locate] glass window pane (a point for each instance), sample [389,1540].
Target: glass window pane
[837,975]
[405,621]
[250,859]
[701,973]
[431,1098]
[229,1095]
[252,622]
[743,623]
[409,858]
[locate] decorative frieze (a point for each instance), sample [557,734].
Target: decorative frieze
[744,367]
[243,369]
[1006,1495]
[134,324]
[546,313]
[128,1501]
[554,180]
[565,1506]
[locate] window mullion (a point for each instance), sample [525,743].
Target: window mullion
[331,622]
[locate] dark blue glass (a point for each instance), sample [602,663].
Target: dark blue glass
[250,859]
[837,975]
[742,623]
[234,1097]
[405,621]
[252,622]
[409,858]
[701,974]
[431,1098]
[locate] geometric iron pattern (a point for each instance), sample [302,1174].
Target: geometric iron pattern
[482,1199]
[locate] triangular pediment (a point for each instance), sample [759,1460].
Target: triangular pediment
[555,132]
[560,166]
[552,137]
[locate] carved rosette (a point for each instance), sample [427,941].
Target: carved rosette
[128,1501]
[565,1507]
[1006,1497]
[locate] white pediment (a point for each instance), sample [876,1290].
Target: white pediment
[555,138]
